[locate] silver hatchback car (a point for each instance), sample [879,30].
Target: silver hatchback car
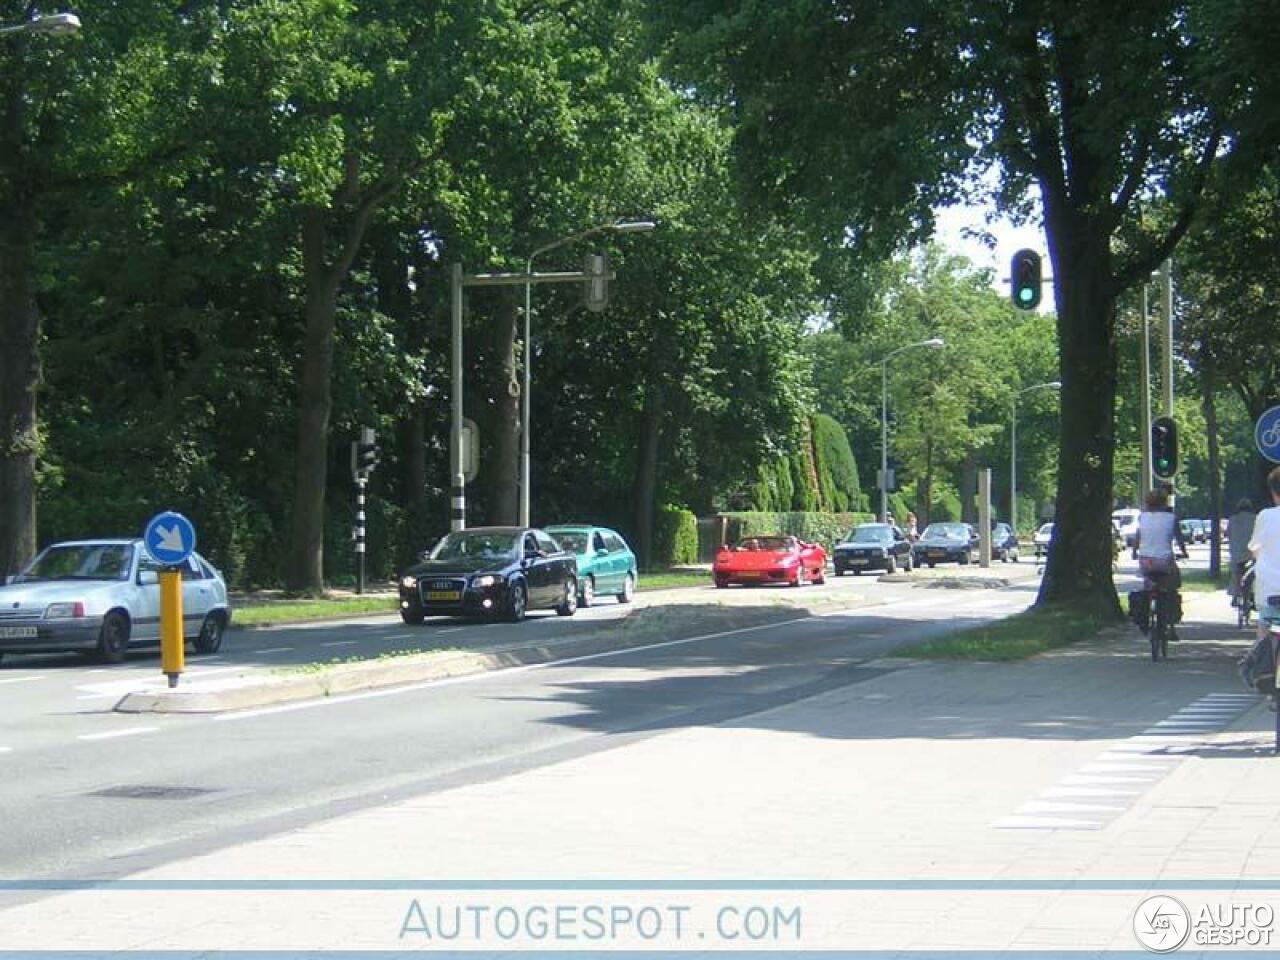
[103,596]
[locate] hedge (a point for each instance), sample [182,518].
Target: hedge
[827,529]
[675,537]
[838,488]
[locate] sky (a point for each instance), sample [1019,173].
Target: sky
[954,221]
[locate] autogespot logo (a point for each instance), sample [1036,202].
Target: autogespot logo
[1161,924]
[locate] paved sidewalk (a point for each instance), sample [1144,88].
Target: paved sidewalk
[1087,764]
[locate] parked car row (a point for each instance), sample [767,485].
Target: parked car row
[507,571]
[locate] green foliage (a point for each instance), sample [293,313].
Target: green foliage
[675,541]
[838,490]
[827,529]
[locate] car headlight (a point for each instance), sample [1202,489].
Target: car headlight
[488,580]
[409,583]
[63,611]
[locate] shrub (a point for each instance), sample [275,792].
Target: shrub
[838,488]
[675,537]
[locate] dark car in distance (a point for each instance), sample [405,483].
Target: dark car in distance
[872,546]
[491,572]
[946,543]
[1004,543]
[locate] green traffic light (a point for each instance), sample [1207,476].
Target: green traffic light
[1026,294]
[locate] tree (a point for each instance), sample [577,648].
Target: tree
[863,117]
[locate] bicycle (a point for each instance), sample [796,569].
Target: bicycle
[1155,609]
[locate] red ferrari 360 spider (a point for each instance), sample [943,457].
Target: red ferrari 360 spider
[770,560]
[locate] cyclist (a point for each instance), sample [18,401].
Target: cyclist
[1265,546]
[1158,533]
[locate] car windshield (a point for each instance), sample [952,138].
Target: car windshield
[766,543]
[475,545]
[81,561]
[574,541]
[871,533]
[952,530]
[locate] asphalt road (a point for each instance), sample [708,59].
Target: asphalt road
[90,793]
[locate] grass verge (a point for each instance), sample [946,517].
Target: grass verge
[1014,638]
[1199,581]
[293,611]
[667,579]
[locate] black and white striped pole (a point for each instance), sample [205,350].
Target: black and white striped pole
[364,457]
[458,495]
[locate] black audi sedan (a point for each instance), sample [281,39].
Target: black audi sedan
[491,572]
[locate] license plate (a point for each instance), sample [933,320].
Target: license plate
[857,561]
[17,633]
[937,553]
[748,574]
[444,595]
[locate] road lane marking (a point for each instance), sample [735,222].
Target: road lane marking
[451,630]
[399,636]
[113,734]
[1046,823]
[22,679]
[6,749]
[274,650]
[339,643]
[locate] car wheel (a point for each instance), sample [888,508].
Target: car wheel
[891,565]
[908,564]
[412,615]
[628,589]
[569,600]
[799,581]
[210,638]
[516,600]
[932,564]
[721,583]
[588,591]
[113,639]
[1015,556]
[839,571]
[964,559]
[820,576]
[857,571]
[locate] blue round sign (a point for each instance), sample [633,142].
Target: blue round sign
[169,538]
[1267,434]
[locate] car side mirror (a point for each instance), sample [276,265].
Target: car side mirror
[602,552]
[8,579]
[147,578]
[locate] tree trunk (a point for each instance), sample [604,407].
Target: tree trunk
[969,488]
[315,402]
[1210,409]
[1078,573]
[646,484]
[19,378]
[501,473]
[926,496]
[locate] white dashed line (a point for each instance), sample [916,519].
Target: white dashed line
[6,749]
[275,650]
[112,734]
[451,630]
[339,643]
[22,679]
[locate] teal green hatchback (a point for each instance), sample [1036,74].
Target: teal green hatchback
[606,565]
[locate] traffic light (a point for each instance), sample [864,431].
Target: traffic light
[1024,275]
[595,285]
[364,453]
[1164,448]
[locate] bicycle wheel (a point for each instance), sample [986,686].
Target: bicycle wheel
[1162,626]
[1157,627]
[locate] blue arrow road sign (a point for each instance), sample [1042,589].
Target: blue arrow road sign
[169,538]
[1267,434]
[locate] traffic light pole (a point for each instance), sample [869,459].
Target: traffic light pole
[1144,486]
[361,483]
[1166,296]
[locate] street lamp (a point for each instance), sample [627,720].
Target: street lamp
[613,226]
[1013,449]
[54,24]
[884,420]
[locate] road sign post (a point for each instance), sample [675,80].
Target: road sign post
[169,538]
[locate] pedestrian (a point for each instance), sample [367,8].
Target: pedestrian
[912,532]
[1264,544]
[1239,533]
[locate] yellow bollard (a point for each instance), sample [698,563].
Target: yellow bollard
[172,646]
